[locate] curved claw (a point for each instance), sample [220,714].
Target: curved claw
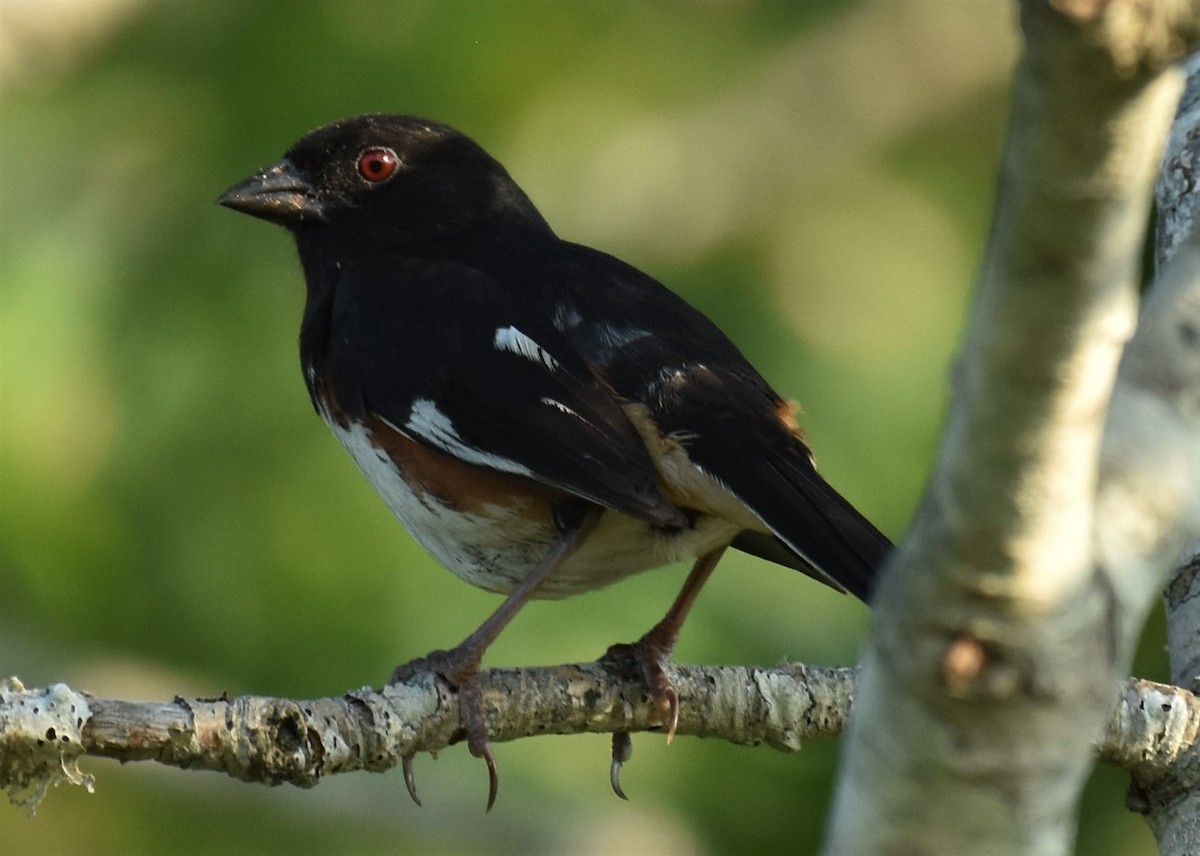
[493,779]
[406,765]
[470,705]
[614,778]
[670,702]
[622,751]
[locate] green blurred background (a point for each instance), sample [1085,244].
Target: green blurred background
[174,518]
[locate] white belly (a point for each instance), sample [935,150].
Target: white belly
[497,547]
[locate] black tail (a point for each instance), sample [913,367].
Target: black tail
[815,530]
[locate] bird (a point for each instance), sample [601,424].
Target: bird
[542,417]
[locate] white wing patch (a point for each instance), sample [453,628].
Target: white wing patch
[619,337]
[513,340]
[429,423]
[562,408]
[569,411]
[566,318]
[604,334]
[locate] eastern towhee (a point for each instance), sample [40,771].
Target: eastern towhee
[542,417]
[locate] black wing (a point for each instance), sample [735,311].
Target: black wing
[438,350]
[652,347]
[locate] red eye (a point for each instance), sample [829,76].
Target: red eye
[376,165]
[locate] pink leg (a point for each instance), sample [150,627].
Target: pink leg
[653,651]
[460,665]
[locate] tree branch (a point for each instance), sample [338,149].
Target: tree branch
[45,732]
[259,739]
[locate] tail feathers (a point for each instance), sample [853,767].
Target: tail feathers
[815,530]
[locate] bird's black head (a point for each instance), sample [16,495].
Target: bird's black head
[392,179]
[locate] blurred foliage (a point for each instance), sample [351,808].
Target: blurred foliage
[174,519]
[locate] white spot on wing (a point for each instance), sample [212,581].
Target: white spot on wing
[602,334]
[513,340]
[558,405]
[566,318]
[619,337]
[430,424]
[562,408]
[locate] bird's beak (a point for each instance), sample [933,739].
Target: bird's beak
[279,193]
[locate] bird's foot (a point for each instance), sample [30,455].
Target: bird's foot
[648,657]
[460,668]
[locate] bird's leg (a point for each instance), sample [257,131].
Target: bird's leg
[652,652]
[460,665]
